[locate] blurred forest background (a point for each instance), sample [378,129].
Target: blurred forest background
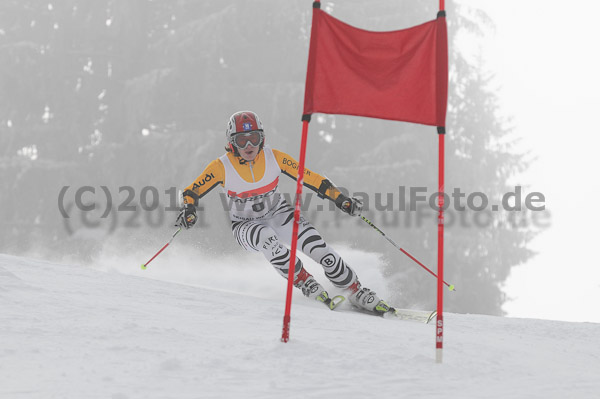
[137,93]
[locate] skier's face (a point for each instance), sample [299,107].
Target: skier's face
[249,153]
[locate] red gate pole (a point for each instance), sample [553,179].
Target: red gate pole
[439,329]
[439,334]
[285,336]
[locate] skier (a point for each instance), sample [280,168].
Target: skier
[262,220]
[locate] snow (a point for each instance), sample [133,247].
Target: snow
[75,331]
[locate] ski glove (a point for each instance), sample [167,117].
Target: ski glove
[351,206]
[187,216]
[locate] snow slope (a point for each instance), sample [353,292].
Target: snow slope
[69,331]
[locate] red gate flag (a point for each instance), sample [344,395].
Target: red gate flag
[399,75]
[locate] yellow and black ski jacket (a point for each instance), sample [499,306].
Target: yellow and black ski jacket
[214,175]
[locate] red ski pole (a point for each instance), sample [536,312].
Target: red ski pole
[450,286]
[144,266]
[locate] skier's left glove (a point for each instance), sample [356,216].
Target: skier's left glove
[187,216]
[351,206]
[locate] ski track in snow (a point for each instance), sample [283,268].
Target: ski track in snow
[71,331]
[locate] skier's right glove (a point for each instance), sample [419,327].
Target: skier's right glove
[187,216]
[351,206]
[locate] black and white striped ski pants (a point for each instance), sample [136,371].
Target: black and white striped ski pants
[268,236]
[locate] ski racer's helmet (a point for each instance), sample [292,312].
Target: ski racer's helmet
[247,127]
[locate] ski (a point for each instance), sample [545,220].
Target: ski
[421,316]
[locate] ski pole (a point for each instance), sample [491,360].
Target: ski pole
[144,266]
[450,286]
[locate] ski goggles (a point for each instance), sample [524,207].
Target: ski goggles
[243,140]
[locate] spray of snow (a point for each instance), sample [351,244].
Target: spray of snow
[241,272]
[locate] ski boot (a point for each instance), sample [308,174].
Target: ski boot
[365,299]
[312,289]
